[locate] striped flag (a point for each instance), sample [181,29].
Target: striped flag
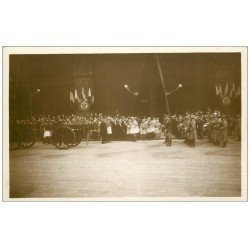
[232,91]
[220,90]
[238,92]
[76,96]
[93,99]
[226,90]
[217,90]
[71,97]
[83,95]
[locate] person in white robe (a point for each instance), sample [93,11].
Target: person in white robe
[143,129]
[157,129]
[134,129]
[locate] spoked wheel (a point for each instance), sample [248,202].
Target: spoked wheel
[63,137]
[28,137]
[15,139]
[79,136]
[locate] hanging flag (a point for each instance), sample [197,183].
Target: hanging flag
[71,96]
[76,95]
[89,93]
[238,92]
[92,99]
[217,90]
[220,90]
[83,95]
[232,91]
[226,90]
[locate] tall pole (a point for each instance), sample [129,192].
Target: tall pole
[162,82]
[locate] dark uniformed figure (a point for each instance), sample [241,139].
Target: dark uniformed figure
[223,136]
[119,129]
[192,135]
[168,130]
[215,131]
[238,127]
[200,124]
[103,131]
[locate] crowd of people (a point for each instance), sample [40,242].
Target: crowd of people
[189,127]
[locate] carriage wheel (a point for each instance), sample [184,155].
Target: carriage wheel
[14,139]
[28,137]
[63,137]
[78,134]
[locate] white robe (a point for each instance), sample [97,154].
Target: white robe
[134,128]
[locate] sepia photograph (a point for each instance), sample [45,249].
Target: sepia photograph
[125,123]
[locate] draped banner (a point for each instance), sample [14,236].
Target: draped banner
[81,88]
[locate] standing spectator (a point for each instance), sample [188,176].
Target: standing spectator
[103,131]
[157,129]
[128,125]
[134,129]
[223,136]
[109,129]
[192,136]
[168,132]
[150,129]
[238,127]
[143,129]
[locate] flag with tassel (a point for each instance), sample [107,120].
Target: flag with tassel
[232,91]
[226,90]
[71,97]
[220,90]
[217,90]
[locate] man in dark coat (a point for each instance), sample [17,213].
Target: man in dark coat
[103,131]
[223,136]
[119,127]
[168,130]
[192,135]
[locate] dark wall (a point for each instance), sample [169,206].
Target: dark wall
[110,75]
[198,72]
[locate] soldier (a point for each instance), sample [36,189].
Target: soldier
[103,131]
[168,133]
[200,124]
[185,131]
[223,136]
[119,128]
[174,125]
[215,131]
[192,135]
[238,127]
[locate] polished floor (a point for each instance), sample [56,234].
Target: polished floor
[126,169]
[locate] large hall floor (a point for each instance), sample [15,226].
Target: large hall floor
[146,169]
